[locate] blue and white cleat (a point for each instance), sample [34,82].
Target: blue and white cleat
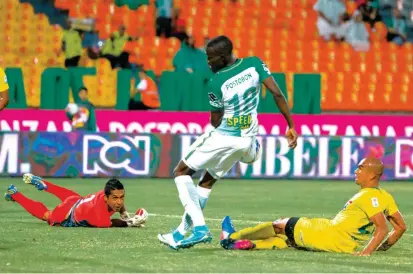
[227,230]
[200,234]
[10,191]
[171,239]
[34,180]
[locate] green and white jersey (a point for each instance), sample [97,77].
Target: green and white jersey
[236,90]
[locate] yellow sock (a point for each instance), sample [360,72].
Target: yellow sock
[259,232]
[270,243]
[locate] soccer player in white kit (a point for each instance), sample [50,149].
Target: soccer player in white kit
[233,96]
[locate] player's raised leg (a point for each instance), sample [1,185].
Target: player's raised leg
[204,190]
[41,184]
[37,209]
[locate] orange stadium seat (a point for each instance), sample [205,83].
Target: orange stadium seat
[283,33]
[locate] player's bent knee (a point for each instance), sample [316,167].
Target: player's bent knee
[182,169]
[207,184]
[207,181]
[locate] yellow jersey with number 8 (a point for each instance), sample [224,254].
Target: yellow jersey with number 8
[351,227]
[354,219]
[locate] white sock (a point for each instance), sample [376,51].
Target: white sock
[186,222]
[203,194]
[189,199]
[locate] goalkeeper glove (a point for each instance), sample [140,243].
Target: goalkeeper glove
[138,220]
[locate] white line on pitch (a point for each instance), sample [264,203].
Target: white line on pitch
[207,219]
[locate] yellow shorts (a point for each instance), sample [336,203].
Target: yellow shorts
[317,234]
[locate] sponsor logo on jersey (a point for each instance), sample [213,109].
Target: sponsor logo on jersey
[239,81]
[243,121]
[214,101]
[266,69]
[375,202]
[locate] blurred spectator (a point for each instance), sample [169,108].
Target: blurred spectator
[397,28]
[72,46]
[344,26]
[113,49]
[329,14]
[370,12]
[203,48]
[148,91]
[179,26]
[178,21]
[164,17]
[357,34]
[82,115]
[190,59]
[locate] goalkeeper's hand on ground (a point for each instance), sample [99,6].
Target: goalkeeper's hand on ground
[124,216]
[138,220]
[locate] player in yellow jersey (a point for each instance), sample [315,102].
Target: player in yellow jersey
[4,90]
[363,218]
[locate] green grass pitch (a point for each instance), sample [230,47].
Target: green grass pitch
[29,245]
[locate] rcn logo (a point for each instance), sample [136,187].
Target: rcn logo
[125,156]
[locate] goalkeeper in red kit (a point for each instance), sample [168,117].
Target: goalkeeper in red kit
[94,210]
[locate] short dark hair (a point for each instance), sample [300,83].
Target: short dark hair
[222,45]
[82,88]
[112,184]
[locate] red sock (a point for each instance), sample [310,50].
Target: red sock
[60,192]
[37,209]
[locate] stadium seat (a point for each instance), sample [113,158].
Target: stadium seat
[285,37]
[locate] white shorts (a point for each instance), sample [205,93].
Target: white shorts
[217,153]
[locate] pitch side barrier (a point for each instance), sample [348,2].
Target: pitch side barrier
[81,154]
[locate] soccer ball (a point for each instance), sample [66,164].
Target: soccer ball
[72,109]
[253,154]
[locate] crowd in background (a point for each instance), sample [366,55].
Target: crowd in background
[169,23]
[334,22]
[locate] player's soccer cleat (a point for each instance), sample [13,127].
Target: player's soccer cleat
[200,234]
[227,230]
[171,239]
[10,191]
[241,245]
[177,236]
[34,180]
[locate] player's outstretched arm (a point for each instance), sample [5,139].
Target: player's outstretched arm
[282,104]
[118,223]
[379,220]
[399,227]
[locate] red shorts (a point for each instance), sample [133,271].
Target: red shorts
[61,212]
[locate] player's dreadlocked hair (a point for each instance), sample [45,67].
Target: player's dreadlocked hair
[112,184]
[222,45]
